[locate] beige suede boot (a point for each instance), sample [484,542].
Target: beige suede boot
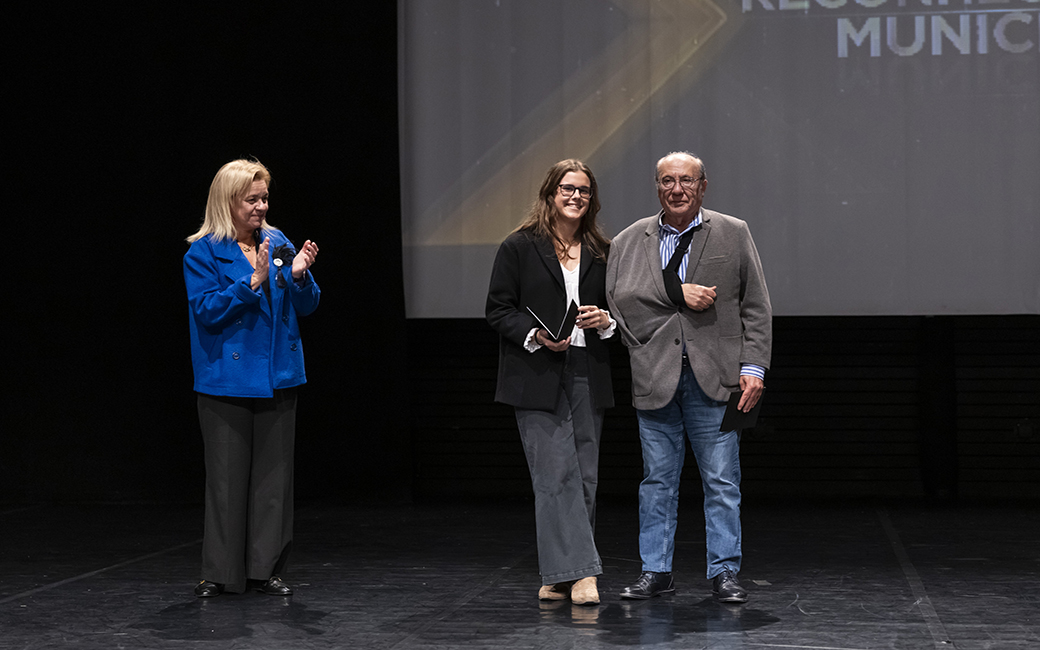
[584,592]
[558,591]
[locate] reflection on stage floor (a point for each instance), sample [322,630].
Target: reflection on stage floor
[862,575]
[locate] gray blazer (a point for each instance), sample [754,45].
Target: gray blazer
[737,329]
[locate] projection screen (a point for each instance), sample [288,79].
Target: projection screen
[885,153]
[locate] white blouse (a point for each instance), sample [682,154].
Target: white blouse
[570,281]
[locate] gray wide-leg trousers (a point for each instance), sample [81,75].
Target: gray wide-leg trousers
[562,449]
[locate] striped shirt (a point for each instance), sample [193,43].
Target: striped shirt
[669,237]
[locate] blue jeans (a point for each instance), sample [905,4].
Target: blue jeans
[693,415]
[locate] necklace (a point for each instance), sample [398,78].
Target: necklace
[244,247]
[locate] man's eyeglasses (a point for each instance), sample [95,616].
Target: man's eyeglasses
[567,190]
[668,182]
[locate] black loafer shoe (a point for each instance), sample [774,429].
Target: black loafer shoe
[648,585]
[727,589]
[207,589]
[275,587]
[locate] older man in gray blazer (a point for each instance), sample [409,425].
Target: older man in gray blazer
[691,343]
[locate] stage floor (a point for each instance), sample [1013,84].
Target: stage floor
[822,576]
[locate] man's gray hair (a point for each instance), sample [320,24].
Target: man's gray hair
[696,159]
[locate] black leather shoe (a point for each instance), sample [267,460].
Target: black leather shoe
[275,587]
[648,585]
[727,589]
[207,589]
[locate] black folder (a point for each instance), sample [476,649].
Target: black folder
[564,329]
[737,419]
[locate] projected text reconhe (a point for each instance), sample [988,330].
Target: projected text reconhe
[928,27]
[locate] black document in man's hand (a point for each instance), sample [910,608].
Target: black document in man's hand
[564,329]
[737,419]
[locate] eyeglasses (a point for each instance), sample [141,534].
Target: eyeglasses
[567,190]
[668,182]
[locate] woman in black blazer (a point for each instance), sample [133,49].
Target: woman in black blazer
[560,388]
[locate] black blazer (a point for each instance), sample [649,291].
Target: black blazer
[527,274]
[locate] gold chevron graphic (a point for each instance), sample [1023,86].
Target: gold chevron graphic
[657,52]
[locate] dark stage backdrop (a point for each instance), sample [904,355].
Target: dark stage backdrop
[121,118]
[856,407]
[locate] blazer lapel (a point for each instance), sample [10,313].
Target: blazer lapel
[586,263]
[235,265]
[700,238]
[233,260]
[652,249]
[552,263]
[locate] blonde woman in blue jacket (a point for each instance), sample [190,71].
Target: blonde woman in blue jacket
[246,287]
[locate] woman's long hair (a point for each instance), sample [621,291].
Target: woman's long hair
[541,220]
[231,183]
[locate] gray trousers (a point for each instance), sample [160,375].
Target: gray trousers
[562,449]
[249,444]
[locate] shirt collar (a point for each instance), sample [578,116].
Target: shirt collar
[662,226]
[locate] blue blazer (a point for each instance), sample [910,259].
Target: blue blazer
[244,343]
